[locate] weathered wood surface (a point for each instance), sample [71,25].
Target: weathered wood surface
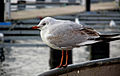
[102,67]
[26,14]
[7,45]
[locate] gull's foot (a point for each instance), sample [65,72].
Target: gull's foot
[59,67]
[64,66]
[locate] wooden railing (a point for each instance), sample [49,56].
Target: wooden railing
[102,67]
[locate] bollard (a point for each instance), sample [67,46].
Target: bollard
[55,57]
[99,50]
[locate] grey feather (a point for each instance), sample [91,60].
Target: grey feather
[67,34]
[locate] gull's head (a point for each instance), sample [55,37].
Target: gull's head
[44,23]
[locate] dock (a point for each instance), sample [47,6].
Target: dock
[22,48]
[101,67]
[34,13]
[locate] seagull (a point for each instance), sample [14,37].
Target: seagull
[77,20]
[112,23]
[65,35]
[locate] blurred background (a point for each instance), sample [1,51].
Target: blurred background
[22,52]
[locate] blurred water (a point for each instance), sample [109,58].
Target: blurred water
[26,61]
[15,1]
[32,61]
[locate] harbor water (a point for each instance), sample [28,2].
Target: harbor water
[32,61]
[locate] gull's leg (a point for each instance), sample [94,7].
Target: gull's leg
[61,59]
[66,59]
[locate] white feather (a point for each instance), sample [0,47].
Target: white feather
[112,23]
[77,20]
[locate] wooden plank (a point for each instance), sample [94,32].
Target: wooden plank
[20,32]
[47,3]
[22,45]
[100,15]
[18,26]
[102,67]
[22,38]
[101,18]
[99,22]
[17,15]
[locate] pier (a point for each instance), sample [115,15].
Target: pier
[59,11]
[22,51]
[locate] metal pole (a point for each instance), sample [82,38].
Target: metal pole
[88,5]
[2,11]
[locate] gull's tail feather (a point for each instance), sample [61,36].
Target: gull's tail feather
[109,36]
[89,42]
[102,38]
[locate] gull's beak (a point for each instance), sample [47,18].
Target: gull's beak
[35,27]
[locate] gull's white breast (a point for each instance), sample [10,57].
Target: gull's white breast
[44,35]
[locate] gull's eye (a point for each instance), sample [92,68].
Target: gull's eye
[44,24]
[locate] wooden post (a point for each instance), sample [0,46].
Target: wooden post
[88,5]
[55,0]
[38,6]
[118,3]
[55,57]
[2,57]
[7,10]
[99,50]
[21,5]
[71,1]
[2,11]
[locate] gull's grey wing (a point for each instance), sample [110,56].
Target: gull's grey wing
[69,34]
